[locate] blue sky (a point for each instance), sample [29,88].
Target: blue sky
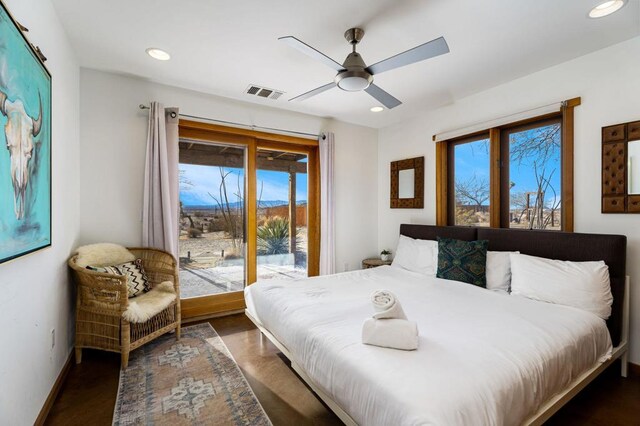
[204,179]
[473,159]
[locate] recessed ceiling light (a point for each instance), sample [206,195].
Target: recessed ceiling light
[606,8]
[377,109]
[158,54]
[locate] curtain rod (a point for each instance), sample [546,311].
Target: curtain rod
[249,126]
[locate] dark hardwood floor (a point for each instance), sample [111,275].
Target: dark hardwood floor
[89,393]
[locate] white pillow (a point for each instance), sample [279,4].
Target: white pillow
[499,270]
[417,255]
[582,285]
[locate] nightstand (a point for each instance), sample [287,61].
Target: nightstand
[374,262]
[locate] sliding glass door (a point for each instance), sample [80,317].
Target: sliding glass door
[212,244]
[249,210]
[282,214]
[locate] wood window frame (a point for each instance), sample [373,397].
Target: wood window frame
[251,140]
[443,166]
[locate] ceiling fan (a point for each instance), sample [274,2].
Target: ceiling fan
[354,75]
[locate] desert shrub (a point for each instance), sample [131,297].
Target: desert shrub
[273,236]
[466,217]
[195,233]
[233,256]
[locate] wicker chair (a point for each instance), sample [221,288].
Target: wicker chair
[102,298]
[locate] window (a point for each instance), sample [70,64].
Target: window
[517,175]
[469,182]
[531,176]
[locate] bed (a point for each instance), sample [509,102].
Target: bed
[484,357]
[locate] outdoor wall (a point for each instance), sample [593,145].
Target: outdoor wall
[608,82]
[113,133]
[36,293]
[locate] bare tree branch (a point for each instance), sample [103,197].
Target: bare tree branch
[230,214]
[538,219]
[539,144]
[474,191]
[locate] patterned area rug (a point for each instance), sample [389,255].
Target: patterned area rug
[194,381]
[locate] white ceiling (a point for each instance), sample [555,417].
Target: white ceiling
[220,47]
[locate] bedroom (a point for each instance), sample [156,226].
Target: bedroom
[504,59]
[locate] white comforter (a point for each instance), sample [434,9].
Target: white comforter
[485,358]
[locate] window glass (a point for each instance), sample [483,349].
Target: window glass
[534,177]
[211,242]
[282,215]
[471,173]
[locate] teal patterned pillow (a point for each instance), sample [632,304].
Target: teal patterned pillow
[464,261]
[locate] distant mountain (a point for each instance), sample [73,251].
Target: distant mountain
[193,199]
[274,203]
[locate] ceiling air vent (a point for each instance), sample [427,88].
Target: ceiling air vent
[263,92]
[252,90]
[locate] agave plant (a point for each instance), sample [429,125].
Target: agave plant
[273,236]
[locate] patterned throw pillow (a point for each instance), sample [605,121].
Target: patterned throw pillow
[136,277]
[464,261]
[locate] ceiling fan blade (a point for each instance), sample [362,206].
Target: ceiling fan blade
[314,92]
[428,50]
[383,97]
[311,52]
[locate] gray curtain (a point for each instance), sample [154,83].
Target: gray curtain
[161,199]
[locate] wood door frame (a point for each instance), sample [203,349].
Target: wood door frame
[252,141]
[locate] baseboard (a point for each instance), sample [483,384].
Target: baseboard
[53,394]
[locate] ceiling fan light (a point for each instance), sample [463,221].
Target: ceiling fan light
[354,80]
[606,8]
[353,84]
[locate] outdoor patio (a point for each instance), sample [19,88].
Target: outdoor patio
[195,282]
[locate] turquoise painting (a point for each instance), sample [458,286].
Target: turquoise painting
[25,145]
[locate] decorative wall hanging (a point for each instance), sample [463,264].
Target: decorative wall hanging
[407,183]
[25,131]
[621,168]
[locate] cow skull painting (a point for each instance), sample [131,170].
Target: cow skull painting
[20,131]
[25,132]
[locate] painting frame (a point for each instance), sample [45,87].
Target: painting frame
[26,163]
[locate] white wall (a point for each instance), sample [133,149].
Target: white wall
[36,293]
[608,82]
[113,133]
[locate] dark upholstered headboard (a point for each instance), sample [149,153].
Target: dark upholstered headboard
[612,249]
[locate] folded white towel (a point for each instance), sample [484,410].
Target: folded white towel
[386,305]
[391,333]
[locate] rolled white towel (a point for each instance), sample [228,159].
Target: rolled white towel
[391,333]
[386,305]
